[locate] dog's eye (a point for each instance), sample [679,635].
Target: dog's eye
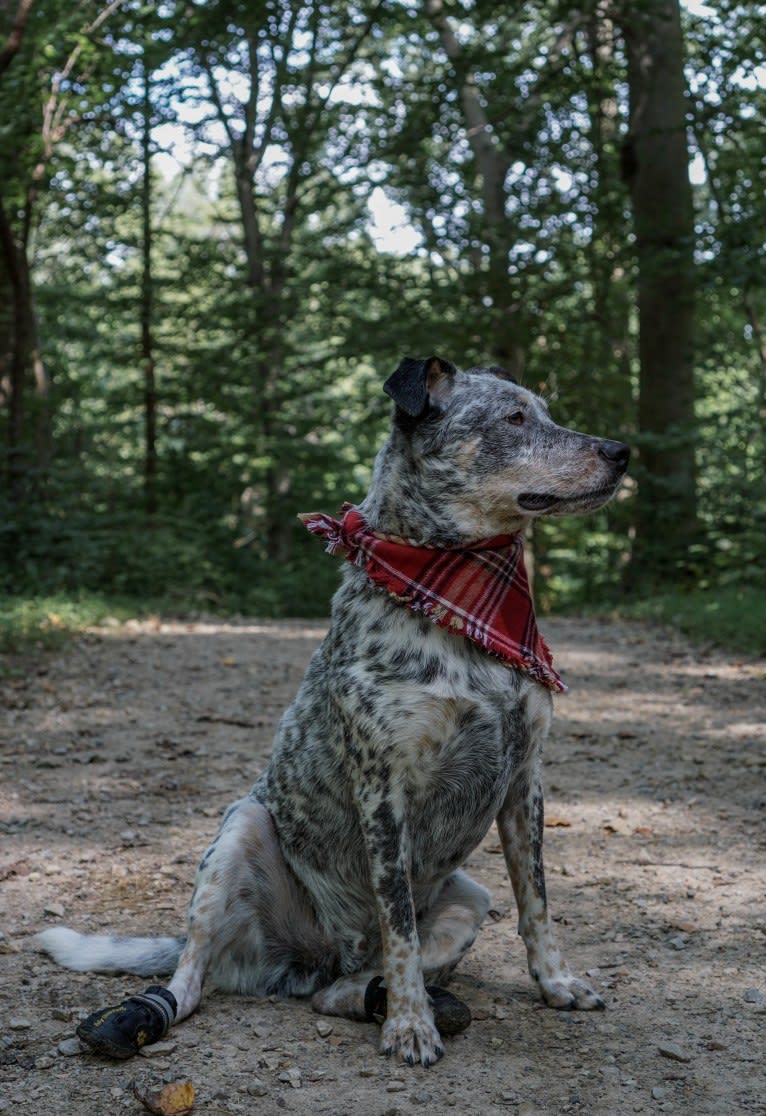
[516,418]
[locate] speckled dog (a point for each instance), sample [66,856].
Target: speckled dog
[339,875]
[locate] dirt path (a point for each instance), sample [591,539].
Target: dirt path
[119,755]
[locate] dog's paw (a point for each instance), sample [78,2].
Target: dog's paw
[413,1039]
[569,993]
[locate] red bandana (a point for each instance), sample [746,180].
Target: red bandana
[480,592]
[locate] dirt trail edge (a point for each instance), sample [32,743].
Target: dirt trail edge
[119,755]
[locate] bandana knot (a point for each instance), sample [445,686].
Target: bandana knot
[479,591]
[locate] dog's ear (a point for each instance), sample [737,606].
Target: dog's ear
[502,374]
[417,383]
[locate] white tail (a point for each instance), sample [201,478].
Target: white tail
[101,953]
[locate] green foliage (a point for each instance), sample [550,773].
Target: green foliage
[28,624]
[729,617]
[269,365]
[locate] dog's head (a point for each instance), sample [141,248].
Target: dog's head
[488,450]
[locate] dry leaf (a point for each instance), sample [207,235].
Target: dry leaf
[552,822]
[175,1099]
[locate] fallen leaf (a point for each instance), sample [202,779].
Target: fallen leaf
[175,1099]
[552,822]
[643,830]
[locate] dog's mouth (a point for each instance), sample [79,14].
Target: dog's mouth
[544,501]
[537,501]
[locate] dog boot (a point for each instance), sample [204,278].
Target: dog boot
[121,1031]
[451,1016]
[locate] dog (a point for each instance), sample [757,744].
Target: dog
[339,875]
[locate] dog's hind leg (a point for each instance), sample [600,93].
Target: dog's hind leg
[249,928]
[448,930]
[446,933]
[520,824]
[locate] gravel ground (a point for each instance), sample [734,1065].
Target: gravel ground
[120,753]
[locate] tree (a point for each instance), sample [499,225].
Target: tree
[655,162]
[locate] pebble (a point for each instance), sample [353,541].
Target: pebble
[324,1028]
[658,1093]
[396,1087]
[44,1062]
[673,1051]
[754,996]
[54,909]
[70,1047]
[18,1023]
[291,1077]
[678,942]
[256,1088]
[157,1049]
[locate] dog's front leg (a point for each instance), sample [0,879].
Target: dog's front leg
[520,824]
[408,1029]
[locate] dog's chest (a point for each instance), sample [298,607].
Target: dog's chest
[438,717]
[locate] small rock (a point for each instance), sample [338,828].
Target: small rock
[18,1023]
[256,1088]
[324,1028]
[54,909]
[62,1014]
[673,1051]
[44,1062]
[679,942]
[157,1049]
[291,1077]
[753,996]
[395,1087]
[658,1093]
[70,1047]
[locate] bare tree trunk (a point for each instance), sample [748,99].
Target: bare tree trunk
[608,337]
[493,163]
[147,306]
[16,359]
[656,169]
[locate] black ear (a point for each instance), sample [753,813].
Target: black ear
[416,383]
[502,374]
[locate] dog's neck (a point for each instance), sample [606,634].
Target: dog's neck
[429,510]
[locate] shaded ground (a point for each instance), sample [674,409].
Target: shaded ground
[119,755]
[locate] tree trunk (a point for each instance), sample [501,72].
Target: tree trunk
[16,275]
[492,163]
[147,307]
[656,170]
[607,393]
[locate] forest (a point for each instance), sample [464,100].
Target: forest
[223,223]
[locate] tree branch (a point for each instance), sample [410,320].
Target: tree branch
[13,43]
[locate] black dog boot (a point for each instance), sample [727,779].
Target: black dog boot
[120,1032]
[451,1016]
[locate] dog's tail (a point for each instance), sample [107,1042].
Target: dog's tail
[101,953]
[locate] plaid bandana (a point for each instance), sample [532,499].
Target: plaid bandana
[480,592]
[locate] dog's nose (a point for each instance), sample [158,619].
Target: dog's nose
[615,452]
